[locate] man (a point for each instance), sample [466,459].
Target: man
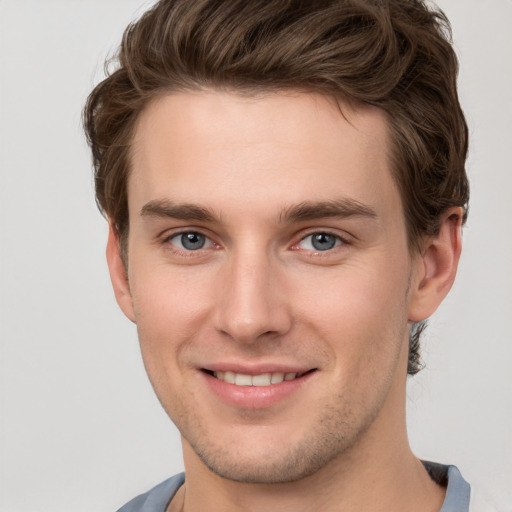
[285,187]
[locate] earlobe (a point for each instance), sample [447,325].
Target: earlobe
[118,275]
[436,267]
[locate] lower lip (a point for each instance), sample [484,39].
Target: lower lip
[255,397]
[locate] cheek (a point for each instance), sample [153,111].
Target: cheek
[166,313]
[360,311]
[168,295]
[357,290]
[166,318]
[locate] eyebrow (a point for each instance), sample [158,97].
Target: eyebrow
[164,208]
[340,208]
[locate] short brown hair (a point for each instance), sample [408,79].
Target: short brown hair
[393,54]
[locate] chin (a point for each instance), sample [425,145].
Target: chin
[268,462]
[289,468]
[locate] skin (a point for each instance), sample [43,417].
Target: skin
[259,294]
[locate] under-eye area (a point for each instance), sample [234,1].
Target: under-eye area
[263,379]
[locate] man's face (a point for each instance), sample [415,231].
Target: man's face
[267,246]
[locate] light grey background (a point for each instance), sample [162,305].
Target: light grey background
[80,427]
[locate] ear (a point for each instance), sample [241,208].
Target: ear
[436,267]
[118,274]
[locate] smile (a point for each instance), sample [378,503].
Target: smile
[264,379]
[253,390]
[259,380]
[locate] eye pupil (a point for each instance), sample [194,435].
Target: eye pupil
[193,241]
[323,241]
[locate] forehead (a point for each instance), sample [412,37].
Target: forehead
[218,147]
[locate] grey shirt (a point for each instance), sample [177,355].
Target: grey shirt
[456,500]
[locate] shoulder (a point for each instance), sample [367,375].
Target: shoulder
[157,499]
[458,491]
[460,496]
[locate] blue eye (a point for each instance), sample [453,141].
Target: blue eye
[190,241]
[320,242]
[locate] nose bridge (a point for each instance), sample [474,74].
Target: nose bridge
[250,305]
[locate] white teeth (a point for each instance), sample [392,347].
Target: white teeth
[243,380]
[264,379]
[228,377]
[261,380]
[276,378]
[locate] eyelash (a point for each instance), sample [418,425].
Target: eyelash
[183,251]
[340,244]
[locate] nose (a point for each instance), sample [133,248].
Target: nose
[250,302]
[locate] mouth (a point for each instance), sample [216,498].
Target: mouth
[260,380]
